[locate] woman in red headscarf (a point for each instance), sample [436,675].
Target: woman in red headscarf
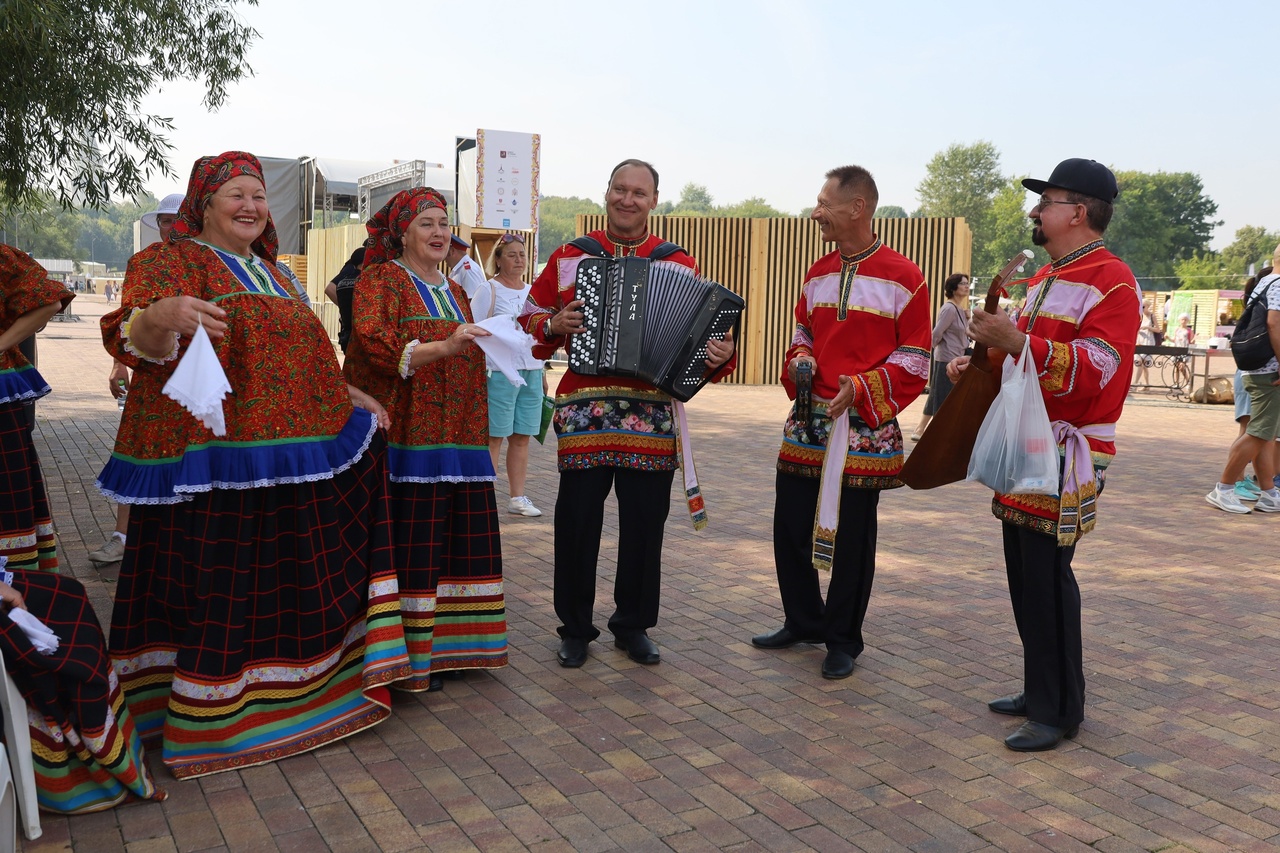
[255,615]
[413,348]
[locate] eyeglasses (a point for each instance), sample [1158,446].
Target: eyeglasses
[1043,202]
[511,238]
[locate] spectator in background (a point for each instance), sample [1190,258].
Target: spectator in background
[161,219]
[515,412]
[340,292]
[950,339]
[463,268]
[1258,441]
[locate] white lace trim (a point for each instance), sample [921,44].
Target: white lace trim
[405,372]
[403,479]
[125,328]
[913,363]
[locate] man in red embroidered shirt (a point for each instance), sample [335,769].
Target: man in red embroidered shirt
[1082,315]
[613,432]
[862,327]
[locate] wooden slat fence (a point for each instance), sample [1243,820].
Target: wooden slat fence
[764,261]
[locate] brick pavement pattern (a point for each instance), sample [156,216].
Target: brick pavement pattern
[726,747]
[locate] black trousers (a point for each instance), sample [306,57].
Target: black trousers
[839,621]
[1046,607]
[644,500]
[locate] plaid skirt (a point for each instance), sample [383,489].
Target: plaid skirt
[255,624]
[26,527]
[448,557]
[86,752]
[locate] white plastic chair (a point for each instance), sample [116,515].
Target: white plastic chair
[21,765]
[8,807]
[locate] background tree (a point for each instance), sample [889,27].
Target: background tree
[754,208]
[73,74]
[1205,272]
[1010,234]
[888,211]
[557,222]
[963,181]
[695,200]
[1160,219]
[1253,245]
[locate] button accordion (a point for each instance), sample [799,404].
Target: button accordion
[649,320]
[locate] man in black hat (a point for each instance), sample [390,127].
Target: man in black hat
[1080,327]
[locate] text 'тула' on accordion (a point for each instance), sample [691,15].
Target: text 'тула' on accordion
[649,320]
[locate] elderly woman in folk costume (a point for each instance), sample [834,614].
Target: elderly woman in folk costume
[256,614]
[413,348]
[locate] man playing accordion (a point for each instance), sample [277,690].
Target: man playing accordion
[613,432]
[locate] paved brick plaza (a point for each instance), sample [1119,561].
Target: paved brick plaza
[723,746]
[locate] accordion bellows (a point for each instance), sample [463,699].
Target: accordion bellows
[649,320]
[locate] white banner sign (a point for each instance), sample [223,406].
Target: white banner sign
[507,180]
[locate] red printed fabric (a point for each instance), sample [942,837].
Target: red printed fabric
[613,421]
[207,175]
[277,356]
[24,287]
[1083,327]
[444,403]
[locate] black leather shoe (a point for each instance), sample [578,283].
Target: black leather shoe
[639,648]
[1037,737]
[783,638]
[573,652]
[1014,706]
[837,665]
[435,683]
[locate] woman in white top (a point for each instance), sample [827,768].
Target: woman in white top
[515,413]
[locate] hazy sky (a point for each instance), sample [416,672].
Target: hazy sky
[758,98]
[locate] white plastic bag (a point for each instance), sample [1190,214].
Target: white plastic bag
[1015,452]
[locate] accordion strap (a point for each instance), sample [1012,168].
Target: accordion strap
[593,247]
[684,450]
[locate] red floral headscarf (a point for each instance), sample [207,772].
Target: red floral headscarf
[386,227]
[207,175]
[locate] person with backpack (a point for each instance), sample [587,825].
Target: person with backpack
[613,433]
[1254,346]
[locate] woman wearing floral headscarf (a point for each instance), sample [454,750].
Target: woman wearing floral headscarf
[413,348]
[250,623]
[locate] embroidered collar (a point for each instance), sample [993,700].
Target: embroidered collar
[1072,257]
[863,255]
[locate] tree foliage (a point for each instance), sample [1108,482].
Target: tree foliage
[72,79]
[965,180]
[888,211]
[1160,218]
[104,235]
[1253,245]
[1205,272]
[557,223]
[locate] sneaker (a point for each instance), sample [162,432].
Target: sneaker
[111,552]
[1267,503]
[1247,490]
[1226,500]
[523,506]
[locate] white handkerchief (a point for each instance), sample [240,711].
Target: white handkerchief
[45,641]
[199,383]
[506,347]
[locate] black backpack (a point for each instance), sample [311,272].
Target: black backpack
[1251,341]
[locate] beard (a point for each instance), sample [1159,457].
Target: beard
[1038,236]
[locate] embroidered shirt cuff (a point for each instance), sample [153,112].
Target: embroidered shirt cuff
[405,370]
[125,335]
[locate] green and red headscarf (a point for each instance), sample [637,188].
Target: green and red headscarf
[386,227]
[207,175]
